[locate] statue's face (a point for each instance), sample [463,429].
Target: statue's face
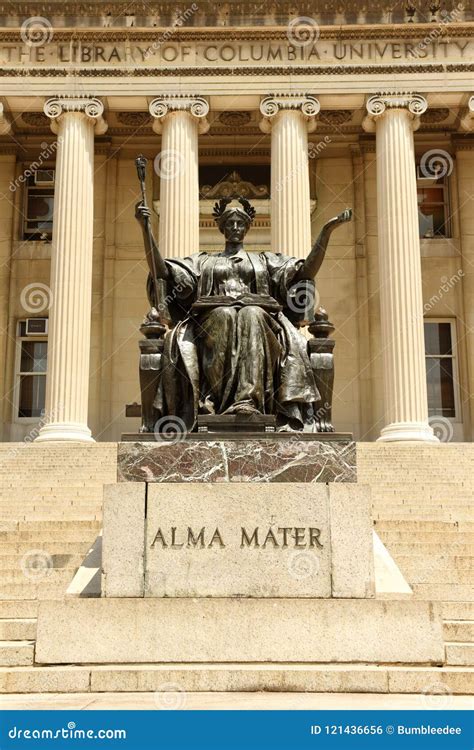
[235,228]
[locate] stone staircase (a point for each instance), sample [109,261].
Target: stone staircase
[424,513]
[50,510]
[50,503]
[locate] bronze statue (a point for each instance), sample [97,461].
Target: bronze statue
[222,335]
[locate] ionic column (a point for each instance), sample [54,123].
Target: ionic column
[74,121]
[179,119]
[394,119]
[289,119]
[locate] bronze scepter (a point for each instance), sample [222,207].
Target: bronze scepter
[140,163]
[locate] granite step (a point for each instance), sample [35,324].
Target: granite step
[443,592]
[26,609]
[446,515]
[53,576]
[443,539]
[437,575]
[458,631]
[414,563]
[54,515]
[42,590]
[460,654]
[16,653]
[427,681]
[394,524]
[53,546]
[457,610]
[426,550]
[17,629]
[59,561]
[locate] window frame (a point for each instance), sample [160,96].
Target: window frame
[423,183]
[18,374]
[26,192]
[454,357]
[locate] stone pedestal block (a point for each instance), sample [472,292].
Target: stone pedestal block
[283,540]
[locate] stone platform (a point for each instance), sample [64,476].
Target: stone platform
[243,630]
[271,457]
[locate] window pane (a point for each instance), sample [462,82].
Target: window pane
[32,395]
[431,211]
[440,382]
[33,356]
[438,338]
[40,208]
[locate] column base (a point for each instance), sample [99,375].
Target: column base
[65,431]
[405,431]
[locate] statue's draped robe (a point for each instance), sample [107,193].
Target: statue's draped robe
[229,358]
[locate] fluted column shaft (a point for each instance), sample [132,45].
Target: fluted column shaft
[406,404]
[289,119]
[180,120]
[67,387]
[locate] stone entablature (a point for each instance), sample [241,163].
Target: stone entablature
[215,48]
[119,13]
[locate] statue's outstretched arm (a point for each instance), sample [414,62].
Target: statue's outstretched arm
[156,264]
[313,262]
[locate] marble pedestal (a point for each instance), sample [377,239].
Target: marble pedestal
[274,457]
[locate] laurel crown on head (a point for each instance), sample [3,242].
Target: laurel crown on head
[221,212]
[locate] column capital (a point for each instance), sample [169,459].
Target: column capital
[467,122]
[272,104]
[196,106]
[414,104]
[5,123]
[91,107]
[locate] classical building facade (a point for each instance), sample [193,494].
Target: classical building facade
[305,112]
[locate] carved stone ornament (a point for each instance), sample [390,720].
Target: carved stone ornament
[197,106]
[235,119]
[134,119]
[234,187]
[433,116]
[335,116]
[271,105]
[5,124]
[35,119]
[377,106]
[92,108]
[467,122]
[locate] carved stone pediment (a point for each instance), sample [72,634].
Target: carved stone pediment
[234,187]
